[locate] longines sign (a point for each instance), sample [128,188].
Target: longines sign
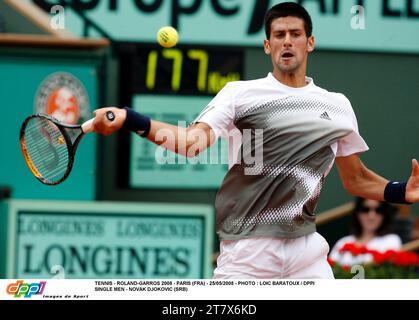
[58,239]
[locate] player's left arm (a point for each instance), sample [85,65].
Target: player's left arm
[360,181]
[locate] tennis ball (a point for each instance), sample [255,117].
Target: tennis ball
[167,37]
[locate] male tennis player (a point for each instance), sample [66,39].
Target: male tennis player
[265,210]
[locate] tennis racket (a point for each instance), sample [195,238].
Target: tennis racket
[49,146]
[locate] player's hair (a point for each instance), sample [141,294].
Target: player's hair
[387,210]
[288,9]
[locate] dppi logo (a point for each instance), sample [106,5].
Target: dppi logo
[27,290]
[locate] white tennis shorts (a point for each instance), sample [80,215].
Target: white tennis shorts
[273,258]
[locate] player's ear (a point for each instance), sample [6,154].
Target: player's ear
[267,47]
[310,44]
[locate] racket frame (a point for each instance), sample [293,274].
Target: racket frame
[71,147]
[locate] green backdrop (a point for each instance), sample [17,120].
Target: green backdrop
[22,74]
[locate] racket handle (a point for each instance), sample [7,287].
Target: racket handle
[88,125]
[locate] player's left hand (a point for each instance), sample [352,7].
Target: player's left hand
[412,187]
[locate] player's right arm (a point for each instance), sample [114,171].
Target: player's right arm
[185,141]
[211,123]
[188,142]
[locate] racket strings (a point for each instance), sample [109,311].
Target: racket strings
[46,149]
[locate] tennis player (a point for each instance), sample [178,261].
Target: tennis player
[265,210]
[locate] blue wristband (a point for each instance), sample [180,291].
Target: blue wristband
[395,192]
[137,123]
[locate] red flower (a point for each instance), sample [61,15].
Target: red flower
[398,258]
[388,264]
[357,250]
[353,249]
[364,250]
[331,262]
[389,255]
[347,247]
[379,257]
[406,259]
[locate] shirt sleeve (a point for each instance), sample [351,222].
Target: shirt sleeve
[392,242]
[219,113]
[352,143]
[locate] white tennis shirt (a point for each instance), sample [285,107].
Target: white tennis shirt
[297,133]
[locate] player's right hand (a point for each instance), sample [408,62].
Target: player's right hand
[103,125]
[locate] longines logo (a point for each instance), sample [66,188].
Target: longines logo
[64,97]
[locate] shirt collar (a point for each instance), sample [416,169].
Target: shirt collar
[308,86]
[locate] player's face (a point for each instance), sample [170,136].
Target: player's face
[288,44]
[369,218]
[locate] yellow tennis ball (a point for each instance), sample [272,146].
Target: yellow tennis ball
[167,37]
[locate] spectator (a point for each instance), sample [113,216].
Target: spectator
[370,228]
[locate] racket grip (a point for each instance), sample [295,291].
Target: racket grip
[87,126]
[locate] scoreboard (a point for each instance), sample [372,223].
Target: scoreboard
[186,71]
